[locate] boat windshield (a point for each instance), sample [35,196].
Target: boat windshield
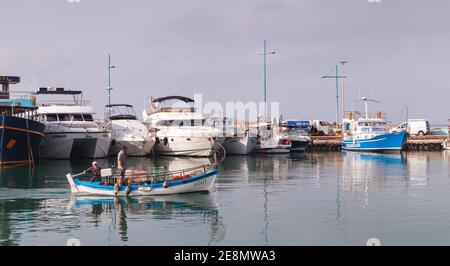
[120,112]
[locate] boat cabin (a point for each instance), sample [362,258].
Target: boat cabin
[19,104]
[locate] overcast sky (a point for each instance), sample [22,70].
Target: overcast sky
[398,51]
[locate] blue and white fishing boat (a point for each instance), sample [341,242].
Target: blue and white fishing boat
[195,179]
[371,134]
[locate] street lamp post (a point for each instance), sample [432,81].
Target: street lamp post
[337,77]
[343,90]
[109,78]
[265,77]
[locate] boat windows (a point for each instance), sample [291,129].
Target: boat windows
[77,117]
[164,123]
[182,123]
[372,124]
[64,117]
[192,122]
[52,118]
[88,118]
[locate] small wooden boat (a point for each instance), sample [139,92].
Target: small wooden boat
[144,184]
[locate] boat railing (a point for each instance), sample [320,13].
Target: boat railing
[355,115]
[138,178]
[62,103]
[57,126]
[26,95]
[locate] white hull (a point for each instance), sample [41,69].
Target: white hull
[134,148]
[300,149]
[273,151]
[65,145]
[240,145]
[129,133]
[273,148]
[181,146]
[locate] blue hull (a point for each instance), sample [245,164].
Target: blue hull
[20,140]
[99,186]
[387,142]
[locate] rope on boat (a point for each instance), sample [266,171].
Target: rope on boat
[30,148]
[219,153]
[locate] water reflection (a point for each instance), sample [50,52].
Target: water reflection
[359,169]
[30,216]
[118,211]
[50,173]
[264,199]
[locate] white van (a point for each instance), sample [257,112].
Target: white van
[416,127]
[321,127]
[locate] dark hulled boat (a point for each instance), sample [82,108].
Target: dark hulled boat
[20,133]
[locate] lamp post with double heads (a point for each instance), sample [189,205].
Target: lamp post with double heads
[343,62]
[109,78]
[265,77]
[337,77]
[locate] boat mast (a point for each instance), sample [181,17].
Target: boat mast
[109,78]
[265,77]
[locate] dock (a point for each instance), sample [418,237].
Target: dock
[425,143]
[325,143]
[414,143]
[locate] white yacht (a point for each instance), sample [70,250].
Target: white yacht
[240,145]
[127,131]
[239,139]
[70,127]
[293,131]
[270,141]
[180,130]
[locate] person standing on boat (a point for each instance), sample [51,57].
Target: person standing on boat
[122,163]
[96,172]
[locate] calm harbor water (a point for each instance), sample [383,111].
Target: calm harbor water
[310,199]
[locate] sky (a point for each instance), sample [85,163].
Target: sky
[398,51]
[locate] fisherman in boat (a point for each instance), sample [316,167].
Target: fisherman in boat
[122,164]
[95,171]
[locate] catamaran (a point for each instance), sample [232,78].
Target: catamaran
[371,133]
[70,127]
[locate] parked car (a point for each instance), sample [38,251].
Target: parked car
[313,127]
